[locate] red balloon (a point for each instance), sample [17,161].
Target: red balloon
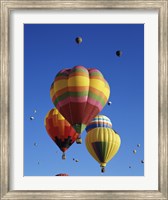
[61,132]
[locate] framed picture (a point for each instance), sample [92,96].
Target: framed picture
[127,42]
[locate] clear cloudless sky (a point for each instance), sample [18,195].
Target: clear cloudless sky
[48,48]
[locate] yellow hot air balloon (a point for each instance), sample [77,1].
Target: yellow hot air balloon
[102,141]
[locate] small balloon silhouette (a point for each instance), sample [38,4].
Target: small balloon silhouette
[109,103]
[78,40]
[119,53]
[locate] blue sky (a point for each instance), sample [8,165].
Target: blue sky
[48,48]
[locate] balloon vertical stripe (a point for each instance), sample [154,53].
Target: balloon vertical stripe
[100,149]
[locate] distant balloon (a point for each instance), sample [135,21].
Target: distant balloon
[142,161]
[134,151]
[35,111]
[119,53]
[109,103]
[35,144]
[78,40]
[129,166]
[76,160]
[31,118]
[138,145]
[61,174]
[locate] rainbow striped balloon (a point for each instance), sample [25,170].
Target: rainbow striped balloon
[99,121]
[79,94]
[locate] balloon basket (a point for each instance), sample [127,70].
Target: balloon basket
[102,169]
[63,156]
[79,140]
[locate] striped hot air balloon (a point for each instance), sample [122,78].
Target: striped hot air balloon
[60,131]
[102,141]
[99,121]
[79,94]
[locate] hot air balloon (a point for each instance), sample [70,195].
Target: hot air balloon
[119,53]
[134,151]
[35,144]
[79,94]
[78,40]
[102,141]
[61,132]
[61,174]
[109,103]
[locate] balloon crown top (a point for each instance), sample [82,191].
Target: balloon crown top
[98,122]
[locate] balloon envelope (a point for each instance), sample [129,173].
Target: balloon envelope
[109,103]
[61,132]
[99,121]
[119,53]
[79,94]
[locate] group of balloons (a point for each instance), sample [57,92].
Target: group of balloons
[79,94]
